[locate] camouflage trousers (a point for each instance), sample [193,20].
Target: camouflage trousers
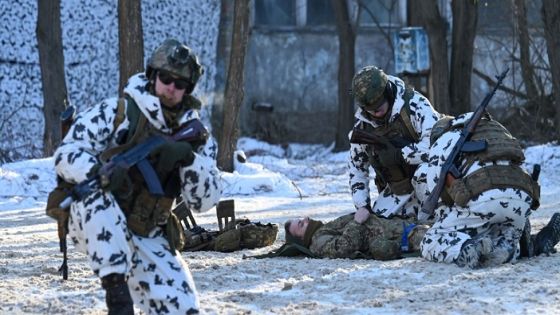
[498,214]
[159,281]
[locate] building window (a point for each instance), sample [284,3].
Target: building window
[320,12]
[275,12]
[380,12]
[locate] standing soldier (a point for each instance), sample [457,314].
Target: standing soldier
[401,119]
[486,209]
[129,233]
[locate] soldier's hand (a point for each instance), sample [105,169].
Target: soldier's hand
[172,153]
[361,215]
[109,182]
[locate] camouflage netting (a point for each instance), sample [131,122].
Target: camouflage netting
[90,39]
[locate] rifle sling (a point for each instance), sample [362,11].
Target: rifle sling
[137,121]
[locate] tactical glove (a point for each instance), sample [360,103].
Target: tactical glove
[172,153]
[112,182]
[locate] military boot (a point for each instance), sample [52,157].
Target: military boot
[526,246]
[502,252]
[117,295]
[472,251]
[548,237]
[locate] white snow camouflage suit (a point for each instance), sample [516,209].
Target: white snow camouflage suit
[499,214]
[159,280]
[422,117]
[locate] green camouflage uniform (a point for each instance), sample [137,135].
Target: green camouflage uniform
[377,238]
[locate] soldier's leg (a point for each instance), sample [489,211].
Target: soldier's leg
[509,217]
[489,216]
[98,228]
[160,282]
[443,241]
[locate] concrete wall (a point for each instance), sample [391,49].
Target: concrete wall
[295,72]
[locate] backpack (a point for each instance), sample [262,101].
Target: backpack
[245,235]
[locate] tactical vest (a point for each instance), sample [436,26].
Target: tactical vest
[400,133]
[143,210]
[502,146]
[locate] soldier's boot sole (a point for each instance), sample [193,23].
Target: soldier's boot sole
[548,237]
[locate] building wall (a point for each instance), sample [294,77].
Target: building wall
[296,74]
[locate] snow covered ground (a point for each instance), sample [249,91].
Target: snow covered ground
[276,184]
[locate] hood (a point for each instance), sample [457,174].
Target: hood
[149,105]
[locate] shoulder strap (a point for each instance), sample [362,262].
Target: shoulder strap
[405,116]
[137,121]
[119,117]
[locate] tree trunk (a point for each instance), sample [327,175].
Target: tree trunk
[462,47]
[223,50]
[234,85]
[51,58]
[131,40]
[425,13]
[346,53]
[551,18]
[527,73]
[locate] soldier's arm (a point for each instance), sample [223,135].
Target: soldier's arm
[88,136]
[423,117]
[201,185]
[358,166]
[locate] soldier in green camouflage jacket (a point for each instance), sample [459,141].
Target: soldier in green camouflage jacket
[377,238]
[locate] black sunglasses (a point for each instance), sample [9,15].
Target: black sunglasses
[166,78]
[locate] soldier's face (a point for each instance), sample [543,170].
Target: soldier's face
[298,227]
[169,89]
[380,111]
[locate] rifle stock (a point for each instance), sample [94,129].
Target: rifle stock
[448,166]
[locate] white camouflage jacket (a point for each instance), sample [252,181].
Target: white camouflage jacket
[92,133]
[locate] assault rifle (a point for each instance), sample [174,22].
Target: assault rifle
[449,166]
[66,119]
[193,130]
[360,136]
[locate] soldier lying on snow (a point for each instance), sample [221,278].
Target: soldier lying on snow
[376,238]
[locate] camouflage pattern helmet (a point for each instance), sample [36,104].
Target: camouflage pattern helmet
[368,87]
[176,58]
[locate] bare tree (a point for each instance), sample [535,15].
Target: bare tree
[131,40]
[223,50]
[234,92]
[551,18]
[426,13]
[346,56]
[462,47]
[51,58]
[520,12]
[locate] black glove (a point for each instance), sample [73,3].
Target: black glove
[113,181]
[172,153]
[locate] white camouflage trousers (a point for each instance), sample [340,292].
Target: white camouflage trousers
[498,214]
[159,282]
